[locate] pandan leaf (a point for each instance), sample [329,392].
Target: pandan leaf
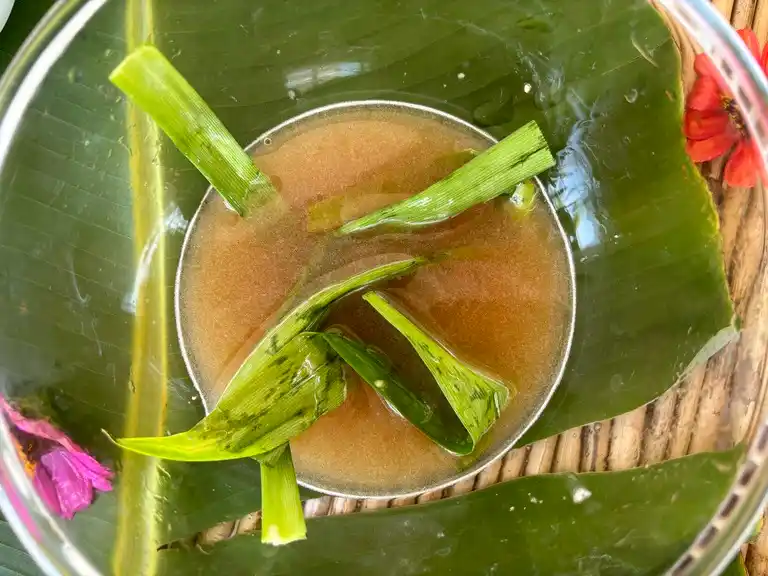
[523,199]
[439,424]
[522,154]
[282,518]
[477,399]
[285,384]
[309,312]
[154,85]
[360,199]
[294,387]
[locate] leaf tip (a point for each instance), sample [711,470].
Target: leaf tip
[274,537]
[110,438]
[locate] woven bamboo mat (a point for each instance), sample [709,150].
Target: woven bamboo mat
[713,408]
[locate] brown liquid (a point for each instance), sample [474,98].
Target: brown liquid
[501,302]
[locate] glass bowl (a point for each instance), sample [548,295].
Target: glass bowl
[92,217]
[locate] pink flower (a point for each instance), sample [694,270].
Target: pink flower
[64,475]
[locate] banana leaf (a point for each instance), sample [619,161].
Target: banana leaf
[632,522]
[14,560]
[602,82]
[601,79]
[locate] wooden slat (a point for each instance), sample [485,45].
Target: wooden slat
[725,7]
[760,21]
[742,13]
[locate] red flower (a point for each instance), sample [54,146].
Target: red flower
[713,123]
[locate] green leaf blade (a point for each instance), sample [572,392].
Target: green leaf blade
[441,426]
[15,560]
[153,83]
[282,517]
[287,382]
[308,313]
[294,388]
[476,399]
[522,154]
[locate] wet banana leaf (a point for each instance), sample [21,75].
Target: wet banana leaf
[736,568]
[633,522]
[15,560]
[601,79]
[440,425]
[296,384]
[521,155]
[602,82]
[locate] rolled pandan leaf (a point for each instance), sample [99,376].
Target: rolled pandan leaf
[477,399]
[155,86]
[440,425]
[294,387]
[522,154]
[282,516]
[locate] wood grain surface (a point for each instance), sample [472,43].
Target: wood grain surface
[713,408]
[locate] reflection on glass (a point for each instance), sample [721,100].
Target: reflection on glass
[304,79]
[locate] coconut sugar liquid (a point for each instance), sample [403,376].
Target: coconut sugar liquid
[500,302]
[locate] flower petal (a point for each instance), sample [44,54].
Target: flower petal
[705,95]
[750,39]
[94,472]
[698,125]
[37,428]
[46,489]
[46,430]
[711,148]
[705,67]
[743,166]
[764,59]
[73,488]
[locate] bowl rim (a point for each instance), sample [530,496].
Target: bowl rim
[537,405]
